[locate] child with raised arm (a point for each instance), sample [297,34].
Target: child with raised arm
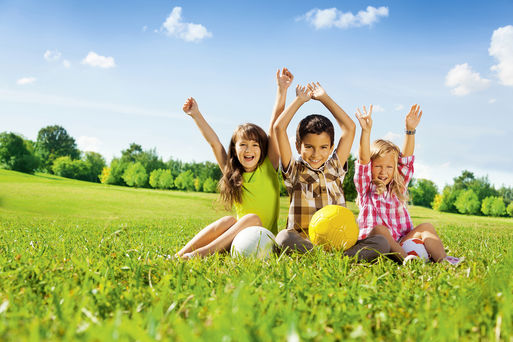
[315,179]
[249,182]
[382,174]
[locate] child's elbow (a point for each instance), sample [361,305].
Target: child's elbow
[352,127]
[277,127]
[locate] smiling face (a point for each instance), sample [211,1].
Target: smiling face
[248,152]
[315,149]
[383,167]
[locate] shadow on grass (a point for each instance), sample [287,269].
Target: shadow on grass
[49,177]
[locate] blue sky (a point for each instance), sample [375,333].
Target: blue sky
[117,72]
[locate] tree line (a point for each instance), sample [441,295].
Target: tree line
[56,152]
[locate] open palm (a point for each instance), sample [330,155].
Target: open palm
[364,118]
[413,117]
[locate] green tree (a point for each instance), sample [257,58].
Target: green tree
[506,194]
[493,206]
[348,185]
[54,142]
[166,180]
[149,158]
[17,154]
[185,181]
[95,164]
[423,192]
[209,185]
[468,202]
[154,178]
[283,188]
[509,209]
[66,167]
[449,196]
[117,169]
[135,175]
[132,153]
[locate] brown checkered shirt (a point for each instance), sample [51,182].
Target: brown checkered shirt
[312,189]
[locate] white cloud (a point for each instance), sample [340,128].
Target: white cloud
[333,17]
[377,109]
[95,60]
[393,137]
[145,28]
[464,80]
[52,56]
[66,63]
[89,144]
[501,47]
[492,100]
[26,80]
[399,107]
[174,27]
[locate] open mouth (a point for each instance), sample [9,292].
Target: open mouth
[249,158]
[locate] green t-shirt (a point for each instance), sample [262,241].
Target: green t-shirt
[261,195]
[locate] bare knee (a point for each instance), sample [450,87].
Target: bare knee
[426,229]
[380,230]
[228,220]
[252,220]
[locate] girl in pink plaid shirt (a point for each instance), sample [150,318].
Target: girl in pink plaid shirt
[381,177]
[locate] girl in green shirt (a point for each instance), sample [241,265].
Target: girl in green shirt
[249,182]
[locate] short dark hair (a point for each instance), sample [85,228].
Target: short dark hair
[314,124]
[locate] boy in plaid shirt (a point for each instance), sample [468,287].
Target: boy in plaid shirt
[315,179]
[382,174]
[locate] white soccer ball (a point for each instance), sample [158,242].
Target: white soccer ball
[415,247]
[256,242]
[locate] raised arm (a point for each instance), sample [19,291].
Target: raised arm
[412,121]
[190,107]
[344,121]
[283,79]
[365,121]
[281,124]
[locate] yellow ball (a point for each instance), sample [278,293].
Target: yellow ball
[333,227]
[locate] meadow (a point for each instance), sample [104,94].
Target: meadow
[83,261]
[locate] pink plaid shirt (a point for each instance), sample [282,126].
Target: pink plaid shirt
[384,209]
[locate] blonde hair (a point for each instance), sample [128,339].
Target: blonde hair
[396,186]
[230,185]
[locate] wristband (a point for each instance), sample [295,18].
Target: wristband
[411,132]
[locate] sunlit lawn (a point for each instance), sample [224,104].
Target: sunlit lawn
[92,262]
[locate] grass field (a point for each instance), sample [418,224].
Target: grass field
[83,261]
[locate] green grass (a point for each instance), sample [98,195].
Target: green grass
[82,261]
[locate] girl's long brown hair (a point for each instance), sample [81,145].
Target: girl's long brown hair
[396,186]
[230,185]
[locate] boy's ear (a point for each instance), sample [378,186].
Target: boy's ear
[298,147]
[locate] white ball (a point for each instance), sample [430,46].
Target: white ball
[253,241]
[415,247]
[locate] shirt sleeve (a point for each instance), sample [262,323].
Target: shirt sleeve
[335,164]
[405,167]
[362,177]
[290,174]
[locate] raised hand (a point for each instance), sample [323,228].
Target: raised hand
[190,107]
[284,79]
[413,117]
[303,93]
[365,119]
[317,92]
